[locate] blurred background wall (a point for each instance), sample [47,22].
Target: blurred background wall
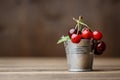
[32,27]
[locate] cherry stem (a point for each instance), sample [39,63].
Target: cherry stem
[78,29]
[76,26]
[80,22]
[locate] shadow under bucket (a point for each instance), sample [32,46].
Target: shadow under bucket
[79,56]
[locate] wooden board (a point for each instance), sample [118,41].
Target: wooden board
[56,69]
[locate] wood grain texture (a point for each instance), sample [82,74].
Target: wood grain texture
[56,69]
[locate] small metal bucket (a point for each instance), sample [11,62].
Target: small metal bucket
[79,56]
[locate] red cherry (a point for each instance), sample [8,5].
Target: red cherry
[86,33]
[96,52]
[97,35]
[75,38]
[100,48]
[72,31]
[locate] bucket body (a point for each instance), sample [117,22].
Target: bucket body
[79,56]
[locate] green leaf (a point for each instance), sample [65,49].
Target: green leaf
[63,39]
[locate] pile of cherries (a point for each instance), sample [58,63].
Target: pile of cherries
[83,31]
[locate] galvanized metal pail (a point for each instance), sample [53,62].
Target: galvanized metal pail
[79,56]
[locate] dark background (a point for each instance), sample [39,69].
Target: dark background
[32,27]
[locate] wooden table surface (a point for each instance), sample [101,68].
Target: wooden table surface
[56,69]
